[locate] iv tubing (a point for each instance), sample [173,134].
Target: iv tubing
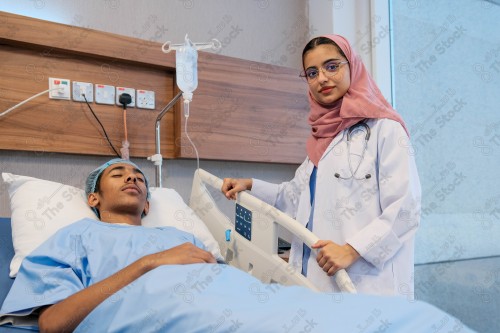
[186,115]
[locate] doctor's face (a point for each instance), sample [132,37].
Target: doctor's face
[327,73]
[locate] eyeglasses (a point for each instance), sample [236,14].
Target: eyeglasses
[329,69]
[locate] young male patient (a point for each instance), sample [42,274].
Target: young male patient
[118,192]
[113,275]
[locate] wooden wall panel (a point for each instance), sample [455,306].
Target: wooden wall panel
[242,110]
[247,111]
[65,126]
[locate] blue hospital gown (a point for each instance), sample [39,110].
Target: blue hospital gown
[197,297]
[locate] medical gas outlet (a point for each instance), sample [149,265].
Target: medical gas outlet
[59,88]
[99,93]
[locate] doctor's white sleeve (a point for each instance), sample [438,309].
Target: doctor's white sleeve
[284,196]
[400,196]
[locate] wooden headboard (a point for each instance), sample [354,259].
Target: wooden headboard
[241,111]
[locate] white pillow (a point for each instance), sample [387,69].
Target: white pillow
[40,208]
[166,208]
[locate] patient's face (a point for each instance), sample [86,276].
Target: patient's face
[122,190]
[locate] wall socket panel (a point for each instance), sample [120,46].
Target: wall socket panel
[80,88]
[63,90]
[122,90]
[145,99]
[101,93]
[104,94]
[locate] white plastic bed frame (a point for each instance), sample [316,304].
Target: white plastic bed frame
[258,255]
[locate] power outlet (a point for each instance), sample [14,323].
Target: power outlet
[145,99]
[121,90]
[80,88]
[104,94]
[60,88]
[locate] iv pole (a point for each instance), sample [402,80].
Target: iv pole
[157,158]
[166,48]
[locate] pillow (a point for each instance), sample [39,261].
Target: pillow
[40,208]
[168,209]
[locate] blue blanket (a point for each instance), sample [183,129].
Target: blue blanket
[215,298]
[195,298]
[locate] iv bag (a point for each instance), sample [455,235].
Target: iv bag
[186,63]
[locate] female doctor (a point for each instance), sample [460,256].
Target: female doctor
[358,189]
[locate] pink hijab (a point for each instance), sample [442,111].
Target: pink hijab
[363,100]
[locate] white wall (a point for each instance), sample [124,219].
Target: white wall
[259,30]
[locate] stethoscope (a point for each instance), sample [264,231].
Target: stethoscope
[367,137]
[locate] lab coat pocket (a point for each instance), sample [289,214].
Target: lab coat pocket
[370,280]
[362,267]
[371,284]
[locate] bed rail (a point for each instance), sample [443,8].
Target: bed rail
[251,243]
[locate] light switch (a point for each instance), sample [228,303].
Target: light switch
[104,94]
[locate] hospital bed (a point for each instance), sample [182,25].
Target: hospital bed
[254,250]
[6,254]
[251,244]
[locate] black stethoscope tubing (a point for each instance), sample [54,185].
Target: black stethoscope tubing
[367,137]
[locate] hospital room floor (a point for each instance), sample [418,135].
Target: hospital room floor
[467,289]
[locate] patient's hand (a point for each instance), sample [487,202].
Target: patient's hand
[183,254]
[333,257]
[231,186]
[66,315]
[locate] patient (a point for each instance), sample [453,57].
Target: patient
[118,192]
[115,275]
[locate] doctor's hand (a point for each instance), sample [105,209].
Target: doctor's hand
[231,186]
[333,257]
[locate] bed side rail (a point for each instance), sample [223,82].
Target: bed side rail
[251,244]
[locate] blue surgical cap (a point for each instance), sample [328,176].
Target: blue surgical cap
[93,177]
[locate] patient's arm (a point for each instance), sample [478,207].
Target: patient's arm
[66,315]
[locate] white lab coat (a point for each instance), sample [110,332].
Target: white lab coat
[377,216]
